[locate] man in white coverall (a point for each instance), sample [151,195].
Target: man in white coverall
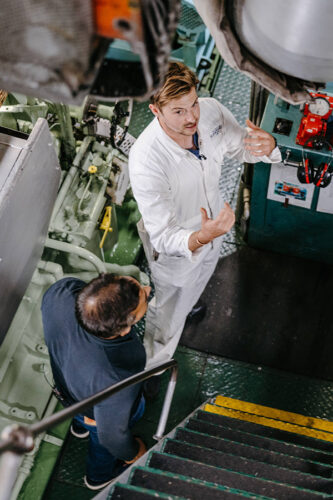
[175,167]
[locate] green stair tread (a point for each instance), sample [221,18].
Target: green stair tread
[130,492]
[194,436]
[177,484]
[271,432]
[244,483]
[247,466]
[262,442]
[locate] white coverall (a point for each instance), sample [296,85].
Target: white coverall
[170,185]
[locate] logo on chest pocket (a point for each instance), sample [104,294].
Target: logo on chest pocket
[216,131]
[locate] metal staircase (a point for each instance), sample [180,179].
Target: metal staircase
[233,449]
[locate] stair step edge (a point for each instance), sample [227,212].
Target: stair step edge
[278,442]
[139,489]
[264,482]
[244,474]
[269,422]
[221,422]
[303,474]
[199,482]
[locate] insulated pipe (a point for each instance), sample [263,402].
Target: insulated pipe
[53,273]
[9,465]
[62,193]
[70,176]
[51,267]
[81,252]
[42,279]
[130,270]
[24,473]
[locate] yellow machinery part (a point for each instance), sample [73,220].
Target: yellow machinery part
[106,224]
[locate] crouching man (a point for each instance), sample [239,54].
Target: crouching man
[88,332]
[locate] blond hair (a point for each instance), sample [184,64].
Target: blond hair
[179,81]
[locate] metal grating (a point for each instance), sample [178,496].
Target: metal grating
[233,91]
[190,19]
[141,117]
[267,386]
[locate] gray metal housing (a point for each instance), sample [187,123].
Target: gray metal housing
[29,180]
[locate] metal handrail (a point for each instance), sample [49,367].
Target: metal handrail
[17,439]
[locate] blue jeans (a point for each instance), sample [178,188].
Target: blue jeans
[101,466]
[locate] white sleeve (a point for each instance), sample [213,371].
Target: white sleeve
[153,195]
[234,142]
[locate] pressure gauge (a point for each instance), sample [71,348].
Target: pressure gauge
[320,106]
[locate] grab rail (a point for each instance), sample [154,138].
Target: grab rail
[19,439]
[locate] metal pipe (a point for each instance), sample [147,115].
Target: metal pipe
[24,472]
[84,193]
[96,210]
[51,267]
[66,129]
[9,464]
[42,279]
[62,193]
[53,273]
[129,270]
[70,176]
[82,252]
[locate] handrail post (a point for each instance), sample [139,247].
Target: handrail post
[9,465]
[166,404]
[10,460]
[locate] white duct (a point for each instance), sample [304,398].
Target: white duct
[283,45]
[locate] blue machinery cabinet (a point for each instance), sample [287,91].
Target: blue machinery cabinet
[278,225]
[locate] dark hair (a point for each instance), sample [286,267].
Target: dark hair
[104,306]
[179,81]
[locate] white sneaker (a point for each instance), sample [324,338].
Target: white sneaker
[95,486]
[78,434]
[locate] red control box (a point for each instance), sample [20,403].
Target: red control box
[314,121]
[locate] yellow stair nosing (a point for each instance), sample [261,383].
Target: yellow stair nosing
[265,411]
[268,422]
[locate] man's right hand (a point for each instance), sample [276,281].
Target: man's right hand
[212,228]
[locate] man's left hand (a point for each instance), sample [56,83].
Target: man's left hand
[257,141]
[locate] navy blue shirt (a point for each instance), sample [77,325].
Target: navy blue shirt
[83,364]
[195,150]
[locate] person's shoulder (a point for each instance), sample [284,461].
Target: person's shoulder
[212,110]
[126,355]
[210,105]
[147,152]
[63,289]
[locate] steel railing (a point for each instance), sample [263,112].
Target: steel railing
[19,439]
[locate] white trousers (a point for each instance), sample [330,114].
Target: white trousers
[169,307]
